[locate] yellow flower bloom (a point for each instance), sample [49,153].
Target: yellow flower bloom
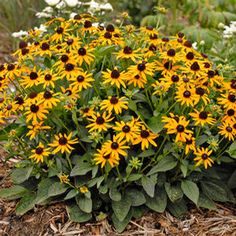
[114,103]
[203,157]
[40,153]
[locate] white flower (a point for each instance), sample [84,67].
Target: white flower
[72,15]
[202,42]
[43,15]
[194,45]
[106,6]
[48,9]
[41,28]
[52,2]
[72,3]
[60,5]
[19,34]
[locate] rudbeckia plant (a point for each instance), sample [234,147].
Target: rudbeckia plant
[115,120]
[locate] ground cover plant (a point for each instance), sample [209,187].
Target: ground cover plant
[115,121]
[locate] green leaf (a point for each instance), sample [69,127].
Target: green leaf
[57,189]
[191,190]
[13,192]
[155,124]
[134,177]
[159,202]
[214,191]
[136,197]
[148,185]
[138,212]
[178,208]
[232,150]
[184,168]
[147,153]
[121,225]
[121,208]
[43,187]
[81,169]
[25,204]
[71,194]
[206,202]
[232,180]
[132,105]
[76,215]
[114,194]
[85,204]
[22,174]
[167,163]
[174,192]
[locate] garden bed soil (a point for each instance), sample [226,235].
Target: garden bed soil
[53,220]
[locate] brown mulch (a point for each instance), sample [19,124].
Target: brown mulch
[53,220]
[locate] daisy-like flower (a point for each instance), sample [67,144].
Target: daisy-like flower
[71,93]
[166,67]
[61,32]
[143,69]
[87,111]
[228,101]
[178,125]
[62,143]
[128,53]
[115,148]
[84,55]
[12,70]
[88,27]
[114,103]
[39,153]
[202,117]
[49,99]
[48,79]
[196,68]
[31,79]
[9,108]
[128,131]
[35,128]
[64,178]
[186,96]
[136,80]
[102,158]
[69,71]
[145,137]
[203,157]
[71,43]
[149,30]
[202,94]
[227,130]
[36,112]
[114,77]
[190,145]
[99,122]
[82,81]
[230,115]
[171,55]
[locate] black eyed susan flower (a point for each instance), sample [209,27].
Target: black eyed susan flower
[87,111]
[102,158]
[36,112]
[136,80]
[69,71]
[84,55]
[227,100]
[149,30]
[115,148]
[62,143]
[114,77]
[230,115]
[33,98]
[49,99]
[114,103]
[48,78]
[186,96]
[61,32]
[203,94]
[178,125]
[171,55]
[127,131]
[166,67]
[150,51]
[190,145]
[227,130]
[145,138]
[203,157]
[202,117]
[71,43]
[39,153]
[71,93]
[88,27]
[10,108]
[128,53]
[99,122]
[82,81]
[31,79]
[142,68]
[12,70]
[35,128]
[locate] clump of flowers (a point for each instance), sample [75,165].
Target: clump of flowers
[114,119]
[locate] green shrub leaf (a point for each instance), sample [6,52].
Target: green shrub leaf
[167,163]
[174,192]
[121,208]
[85,204]
[43,188]
[121,225]
[13,192]
[81,169]
[191,190]
[148,185]
[25,204]
[206,202]
[57,189]
[76,215]
[136,197]
[21,174]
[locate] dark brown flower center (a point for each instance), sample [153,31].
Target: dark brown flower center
[127,50]
[2,67]
[114,100]
[70,41]
[230,112]
[180,128]
[165,39]
[200,91]
[153,36]
[152,48]
[24,51]
[195,66]
[80,78]
[100,120]
[144,134]
[189,141]
[115,74]
[137,77]
[126,129]
[233,84]
[47,95]
[188,44]
[168,65]
[107,35]
[141,66]
[34,108]
[68,92]
[39,150]
[22,44]
[190,56]
[19,100]
[180,35]
[60,30]
[69,67]
[175,78]
[87,24]
[171,52]
[45,46]
[47,77]
[110,28]
[186,80]
[211,73]
[204,156]
[229,129]
[203,115]
[186,94]
[33,75]
[149,27]
[33,95]
[232,98]
[114,145]
[10,67]
[9,107]
[2,100]
[82,51]
[77,17]
[107,157]
[64,58]
[62,141]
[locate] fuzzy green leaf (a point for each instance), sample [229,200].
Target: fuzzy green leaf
[81,169]
[121,225]
[13,192]
[25,204]
[136,197]
[148,185]
[174,192]
[206,202]
[85,204]
[21,174]
[191,190]
[43,187]
[121,208]
[76,215]
[155,124]
[57,189]
[71,194]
